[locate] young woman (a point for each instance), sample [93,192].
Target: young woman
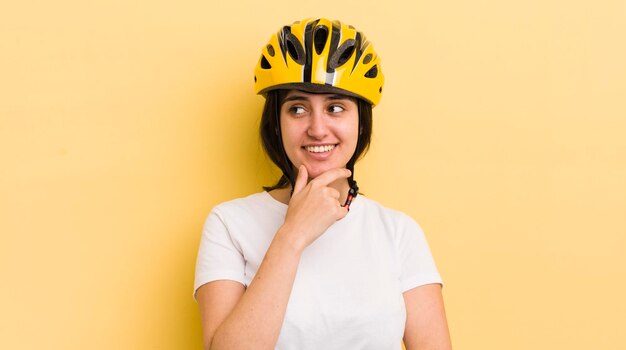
[308,264]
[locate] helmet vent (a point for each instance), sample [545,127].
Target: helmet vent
[319,38]
[270,50]
[265,63]
[342,55]
[372,73]
[295,49]
[367,58]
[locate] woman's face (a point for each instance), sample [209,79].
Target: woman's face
[319,130]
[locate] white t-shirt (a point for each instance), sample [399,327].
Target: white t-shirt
[347,293]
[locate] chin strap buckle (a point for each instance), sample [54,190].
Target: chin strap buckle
[354,191]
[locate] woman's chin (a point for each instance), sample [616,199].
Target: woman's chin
[317,171]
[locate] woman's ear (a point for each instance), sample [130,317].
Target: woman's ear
[361,131]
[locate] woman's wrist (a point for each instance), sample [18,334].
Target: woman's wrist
[289,238]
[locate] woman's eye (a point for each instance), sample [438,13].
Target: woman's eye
[296,110]
[336,109]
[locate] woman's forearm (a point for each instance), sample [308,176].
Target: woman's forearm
[256,321]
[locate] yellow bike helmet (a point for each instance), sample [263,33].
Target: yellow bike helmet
[319,55]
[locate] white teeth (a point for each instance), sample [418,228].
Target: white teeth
[319,149]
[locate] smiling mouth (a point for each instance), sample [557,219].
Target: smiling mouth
[319,149]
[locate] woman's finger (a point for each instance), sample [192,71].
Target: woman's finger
[301,180]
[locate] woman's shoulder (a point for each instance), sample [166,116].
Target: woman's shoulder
[372,207]
[396,222]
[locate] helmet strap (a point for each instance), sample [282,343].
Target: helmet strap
[354,188]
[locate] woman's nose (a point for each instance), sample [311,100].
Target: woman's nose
[317,125]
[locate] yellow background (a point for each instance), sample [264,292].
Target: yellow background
[501,130]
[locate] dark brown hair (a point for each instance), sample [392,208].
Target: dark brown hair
[271,138]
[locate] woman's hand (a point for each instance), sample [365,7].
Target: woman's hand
[314,206]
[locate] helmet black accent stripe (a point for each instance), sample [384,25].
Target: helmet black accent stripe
[335,36]
[308,41]
[359,47]
[282,43]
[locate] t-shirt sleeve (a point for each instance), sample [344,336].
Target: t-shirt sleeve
[417,265]
[219,257]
